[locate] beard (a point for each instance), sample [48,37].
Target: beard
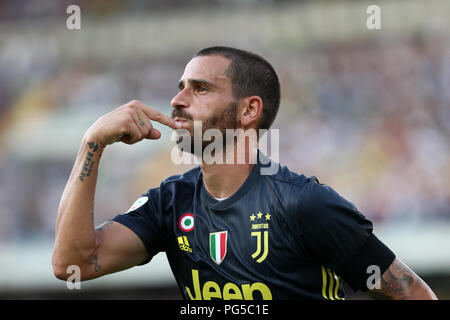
[227,119]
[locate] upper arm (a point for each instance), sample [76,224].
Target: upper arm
[117,248]
[399,282]
[333,228]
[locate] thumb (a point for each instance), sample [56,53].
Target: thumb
[154,134]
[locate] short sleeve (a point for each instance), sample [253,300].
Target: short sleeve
[338,235]
[143,218]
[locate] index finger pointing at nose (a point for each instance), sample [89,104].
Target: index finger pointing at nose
[158,116]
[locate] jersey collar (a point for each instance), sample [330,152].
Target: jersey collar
[216,204]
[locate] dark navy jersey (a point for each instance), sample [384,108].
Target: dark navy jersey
[280,236]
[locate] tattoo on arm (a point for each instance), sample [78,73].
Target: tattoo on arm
[88,162]
[401,283]
[104,225]
[94,262]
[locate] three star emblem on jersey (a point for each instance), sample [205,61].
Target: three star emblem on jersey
[218,245]
[186,222]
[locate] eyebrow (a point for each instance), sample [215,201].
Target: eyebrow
[196,82]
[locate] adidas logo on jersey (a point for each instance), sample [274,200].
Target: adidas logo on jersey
[183,243]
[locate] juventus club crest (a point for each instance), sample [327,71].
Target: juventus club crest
[260,230]
[218,245]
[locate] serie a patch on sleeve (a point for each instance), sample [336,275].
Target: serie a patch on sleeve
[138,203]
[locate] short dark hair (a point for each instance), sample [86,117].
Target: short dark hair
[250,74]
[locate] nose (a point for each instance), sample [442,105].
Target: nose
[180,100]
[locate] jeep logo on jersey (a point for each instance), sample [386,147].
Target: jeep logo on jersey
[186,222]
[218,245]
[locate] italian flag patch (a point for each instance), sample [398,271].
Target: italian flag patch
[218,245]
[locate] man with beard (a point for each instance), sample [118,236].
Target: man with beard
[229,231]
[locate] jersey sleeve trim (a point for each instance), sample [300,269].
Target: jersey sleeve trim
[139,230]
[372,253]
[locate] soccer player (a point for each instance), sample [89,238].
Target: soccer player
[228,230]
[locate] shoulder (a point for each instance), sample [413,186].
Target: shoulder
[289,185]
[307,199]
[170,184]
[321,198]
[291,189]
[306,188]
[188,178]
[321,207]
[307,191]
[181,185]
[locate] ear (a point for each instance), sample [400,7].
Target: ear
[251,111]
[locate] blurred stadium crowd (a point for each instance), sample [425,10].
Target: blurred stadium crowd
[375,120]
[369,118]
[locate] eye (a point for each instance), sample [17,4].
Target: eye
[201,89]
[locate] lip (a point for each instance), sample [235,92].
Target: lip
[181,121]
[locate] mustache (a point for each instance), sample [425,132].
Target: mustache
[180,113]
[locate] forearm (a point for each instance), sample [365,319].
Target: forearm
[77,242]
[75,231]
[399,282]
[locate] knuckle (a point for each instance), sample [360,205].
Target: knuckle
[145,131]
[129,118]
[131,108]
[158,116]
[139,137]
[123,130]
[134,102]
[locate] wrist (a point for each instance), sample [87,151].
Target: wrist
[93,142]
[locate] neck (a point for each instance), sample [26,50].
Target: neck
[223,180]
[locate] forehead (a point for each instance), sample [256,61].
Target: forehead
[211,68]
